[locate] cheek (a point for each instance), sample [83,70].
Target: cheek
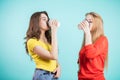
[91,25]
[93,28]
[43,24]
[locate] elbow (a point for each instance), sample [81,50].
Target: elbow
[91,55]
[54,57]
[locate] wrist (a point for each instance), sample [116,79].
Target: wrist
[54,30]
[87,33]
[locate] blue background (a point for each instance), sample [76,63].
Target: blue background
[15,64]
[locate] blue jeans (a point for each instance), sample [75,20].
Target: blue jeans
[40,74]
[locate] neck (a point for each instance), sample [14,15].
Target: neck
[42,36]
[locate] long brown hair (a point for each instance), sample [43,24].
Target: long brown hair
[34,29]
[97,31]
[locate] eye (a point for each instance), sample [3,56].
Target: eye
[89,21]
[44,19]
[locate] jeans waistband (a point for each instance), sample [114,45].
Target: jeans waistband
[45,72]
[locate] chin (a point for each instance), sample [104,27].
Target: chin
[46,29]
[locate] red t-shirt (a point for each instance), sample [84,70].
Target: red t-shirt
[91,60]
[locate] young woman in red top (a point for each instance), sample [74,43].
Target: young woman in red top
[94,50]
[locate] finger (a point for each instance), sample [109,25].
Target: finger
[53,22]
[56,23]
[50,23]
[82,25]
[86,23]
[56,75]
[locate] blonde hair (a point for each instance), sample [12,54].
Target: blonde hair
[97,31]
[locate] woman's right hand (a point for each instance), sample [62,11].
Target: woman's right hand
[54,50]
[84,25]
[54,24]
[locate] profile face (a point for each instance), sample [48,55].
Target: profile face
[90,20]
[43,22]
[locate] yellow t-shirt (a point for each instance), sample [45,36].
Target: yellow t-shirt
[41,63]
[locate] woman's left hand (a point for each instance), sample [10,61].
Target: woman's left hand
[57,72]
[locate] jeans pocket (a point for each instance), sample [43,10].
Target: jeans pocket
[38,75]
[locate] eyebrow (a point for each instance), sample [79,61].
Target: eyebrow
[42,17]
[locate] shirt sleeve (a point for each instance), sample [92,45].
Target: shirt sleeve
[31,43]
[99,47]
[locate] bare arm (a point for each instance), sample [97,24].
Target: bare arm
[53,54]
[85,27]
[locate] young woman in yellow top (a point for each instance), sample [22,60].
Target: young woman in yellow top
[41,44]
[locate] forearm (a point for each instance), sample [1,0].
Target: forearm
[88,39]
[54,50]
[100,46]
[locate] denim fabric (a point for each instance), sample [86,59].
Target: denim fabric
[43,75]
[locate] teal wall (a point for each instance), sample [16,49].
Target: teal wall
[14,20]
